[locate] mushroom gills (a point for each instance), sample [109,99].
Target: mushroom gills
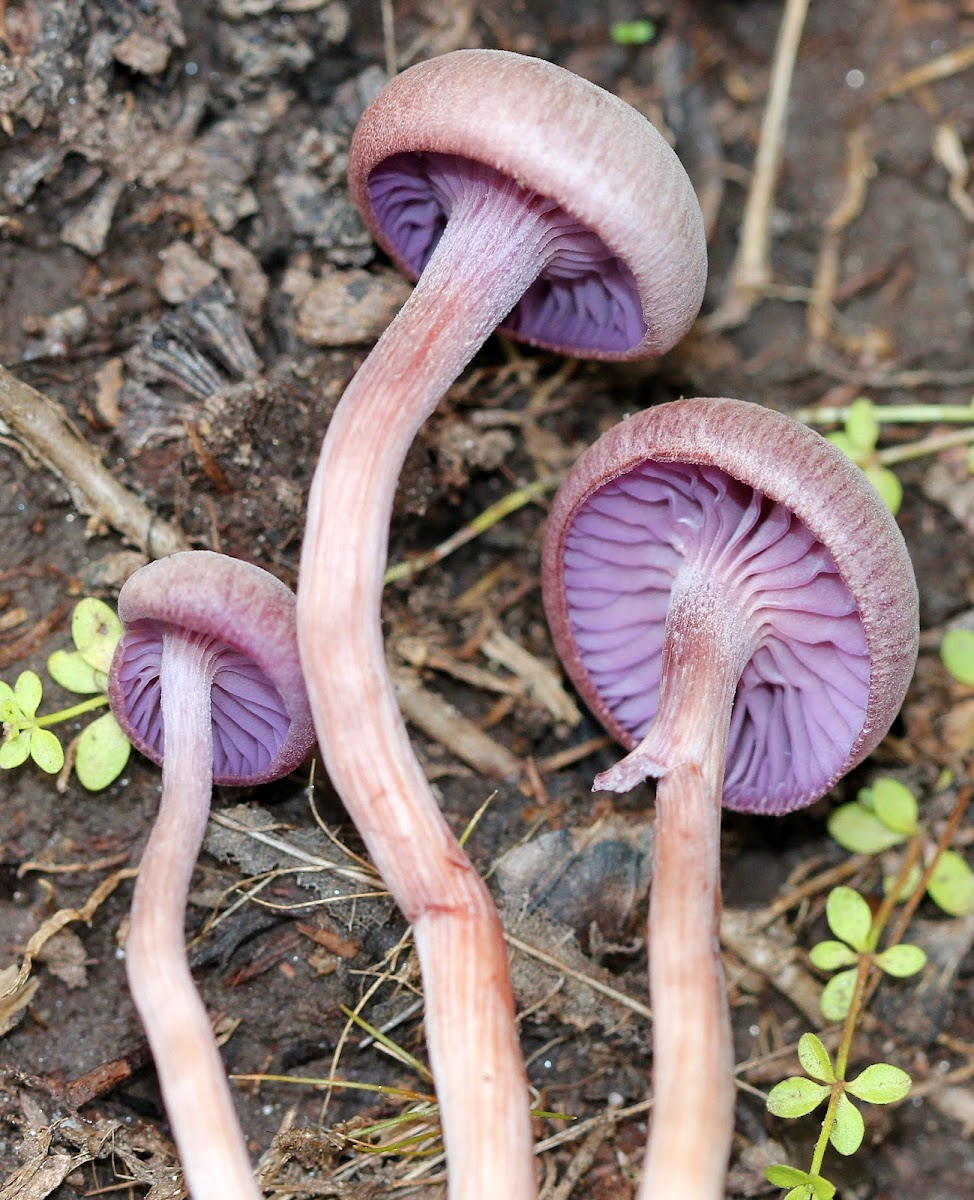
[249,717]
[798,708]
[585,296]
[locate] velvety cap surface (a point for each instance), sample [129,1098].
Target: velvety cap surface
[629,281]
[262,726]
[796,538]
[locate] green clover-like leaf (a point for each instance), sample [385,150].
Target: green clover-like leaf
[860,831]
[861,426]
[837,995]
[796,1096]
[849,917]
[881,1083]
[829,956]
[849,1128]
[804,1185]
[95,630]
[46,750]
[10,713]
[887,484]
[815,1058]
[28,691]
[102,752]
[901,961]
[951,885]
[781,1175]
[957,654]
[15,750]
[74,674]
[896,806]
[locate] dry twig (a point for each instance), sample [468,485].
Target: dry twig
[41,426]
[751,273]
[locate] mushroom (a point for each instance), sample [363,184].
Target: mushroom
[522,194]
[205,680]
[736,605]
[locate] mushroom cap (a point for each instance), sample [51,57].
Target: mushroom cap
[631,291]
[262,726]
[801,539]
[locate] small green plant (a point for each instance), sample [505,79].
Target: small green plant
[887,815]
[851,920]
[858,440]
[102,749]
[843,1126]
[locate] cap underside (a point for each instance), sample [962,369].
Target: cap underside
[249,718]
[803,695]
[585,300]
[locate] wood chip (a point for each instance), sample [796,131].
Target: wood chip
[441,722]
[541,681]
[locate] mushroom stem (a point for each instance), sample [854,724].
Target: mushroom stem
[467,288]
[693,1090]
[706,644]
[191,1073]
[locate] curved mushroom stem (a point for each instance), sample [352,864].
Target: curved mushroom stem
[191,1073]
[706,645]
[467,288]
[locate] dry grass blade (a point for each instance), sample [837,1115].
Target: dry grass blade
[751,273]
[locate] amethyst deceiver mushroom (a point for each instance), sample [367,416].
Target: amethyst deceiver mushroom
[205,680]
[522,196]
[736,605]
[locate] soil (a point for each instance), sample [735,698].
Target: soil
[160,158]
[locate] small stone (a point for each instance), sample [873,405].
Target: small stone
[142,53]
[350,308]
[183,273]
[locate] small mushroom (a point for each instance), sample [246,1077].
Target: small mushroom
[736,605]
[205,680]
[519,194]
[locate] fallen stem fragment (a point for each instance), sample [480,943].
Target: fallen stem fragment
[751,271]
[42,427]
[480,524]
[892,414]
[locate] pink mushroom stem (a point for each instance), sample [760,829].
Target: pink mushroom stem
[466,290]
[705,648]
[191,1074]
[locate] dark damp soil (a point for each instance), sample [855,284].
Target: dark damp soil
[151,149]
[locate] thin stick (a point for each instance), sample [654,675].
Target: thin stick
[42,427]
[751,272]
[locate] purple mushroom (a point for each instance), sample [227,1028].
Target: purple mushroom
[523,195]
[206,680]
[736,605]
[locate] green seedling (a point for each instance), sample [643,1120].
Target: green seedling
[858,440]
[24,735]
[862,422]
[799,1095]
[102,749]
[887,815]
[850,919]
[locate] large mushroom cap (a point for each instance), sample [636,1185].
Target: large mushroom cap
[628,287]
[792,532]
[262,726]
